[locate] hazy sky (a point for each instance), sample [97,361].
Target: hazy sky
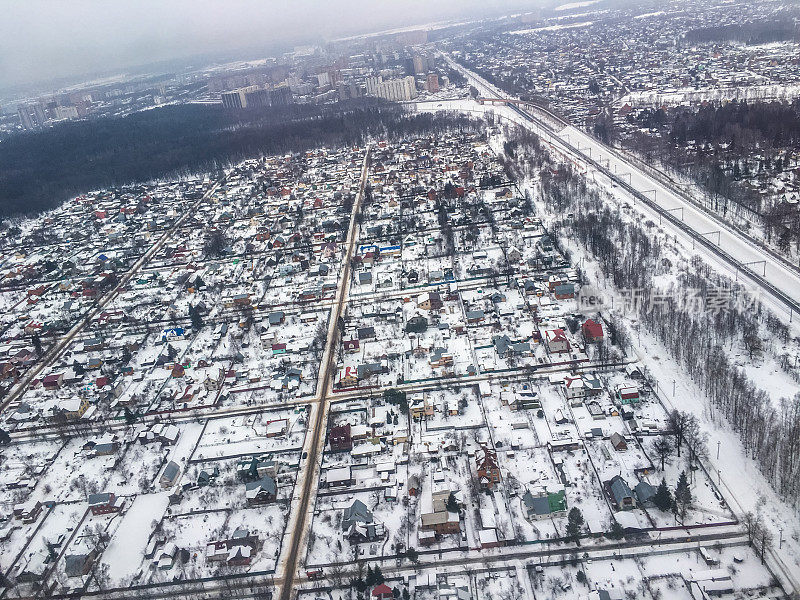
[41,40]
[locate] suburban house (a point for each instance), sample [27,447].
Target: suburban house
[340,438]
[261,491]
[429,301]
[71,409]
[339,477]
[420,406]
[79,565]
[574,388]
[169,475]
[101,504]
[621,495]
[645,493]
[439,521]
[592,331]
[440,358]
[53,382]
[236,551]
[542,504]
[28,511]
[628,394]
[382,592]
[564,291]
[557,341]
[618,442]
[487,466]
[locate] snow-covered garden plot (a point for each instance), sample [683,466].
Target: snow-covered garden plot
[272,431]
[329,540]
[531,469]
[707,505]
[126,549]
[20,466]
[557,413]
[454,409]
[583,489]
[74,474]
[498,583]
[135,468]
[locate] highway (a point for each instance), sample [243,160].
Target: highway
[728,250]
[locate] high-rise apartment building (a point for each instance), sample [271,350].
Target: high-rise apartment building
[397,90]
[432,83]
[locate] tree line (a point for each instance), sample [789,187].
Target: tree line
[41,169]
[759,32]
[633,258]
[724,146]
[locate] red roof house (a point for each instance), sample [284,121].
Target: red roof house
[382,592]
[592,331]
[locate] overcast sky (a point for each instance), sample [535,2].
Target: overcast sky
[42,40]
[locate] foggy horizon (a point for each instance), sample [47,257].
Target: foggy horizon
[45,42]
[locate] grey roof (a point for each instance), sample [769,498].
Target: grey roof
[368,369]
[357,512]
[619,489]
[366,332]
[275,318]
[537,504]
[644,492]
[266,484]
[103,498]
[520,348]
[437,354]
[501,343]
[170,471]
[74,564]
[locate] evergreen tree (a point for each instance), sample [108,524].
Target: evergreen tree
[37,344]
[683,495]
[574,524]
[370,580]
[4,437]
[663,497]
[452,503]
[196,318]
[130,417]
[412,555]
[617,532]
[379,578]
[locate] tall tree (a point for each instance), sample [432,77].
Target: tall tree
[663,497]
[37,344]
[683,495]
[574,524]
[663,449]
